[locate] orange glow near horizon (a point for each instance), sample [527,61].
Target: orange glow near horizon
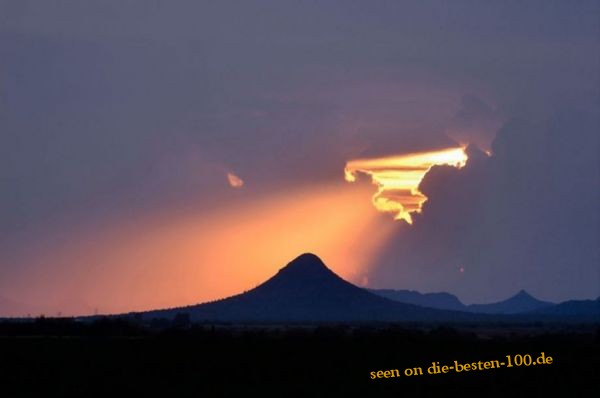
[184,256]
[398,178]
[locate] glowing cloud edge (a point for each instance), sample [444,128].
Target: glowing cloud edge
[398,177]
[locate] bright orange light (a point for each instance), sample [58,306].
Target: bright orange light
[398,178]
[185,255]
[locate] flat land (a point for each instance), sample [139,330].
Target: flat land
[63,358]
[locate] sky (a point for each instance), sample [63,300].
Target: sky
[165,153]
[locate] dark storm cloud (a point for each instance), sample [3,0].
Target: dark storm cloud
[525,218]
[112,107]
[476,122]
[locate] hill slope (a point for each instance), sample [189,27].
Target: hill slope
[573,308]
[442,301]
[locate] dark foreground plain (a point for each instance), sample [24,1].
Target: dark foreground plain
[49,357]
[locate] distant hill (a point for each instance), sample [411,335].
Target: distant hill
[443,301]
[305,290]
[573,308]
[522,304]
[519,303]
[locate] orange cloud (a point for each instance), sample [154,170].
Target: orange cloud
[398,178]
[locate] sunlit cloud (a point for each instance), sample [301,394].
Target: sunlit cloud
[234,180]
[398,178]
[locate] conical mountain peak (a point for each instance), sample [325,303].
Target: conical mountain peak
[306,260]
[306,290]
[306,265]
[523,294]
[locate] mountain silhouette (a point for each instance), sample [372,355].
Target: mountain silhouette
[573,309]
[442,300]
[519,303]
[305,290]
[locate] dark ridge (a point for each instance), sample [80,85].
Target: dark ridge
[442,300]
[519,303]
